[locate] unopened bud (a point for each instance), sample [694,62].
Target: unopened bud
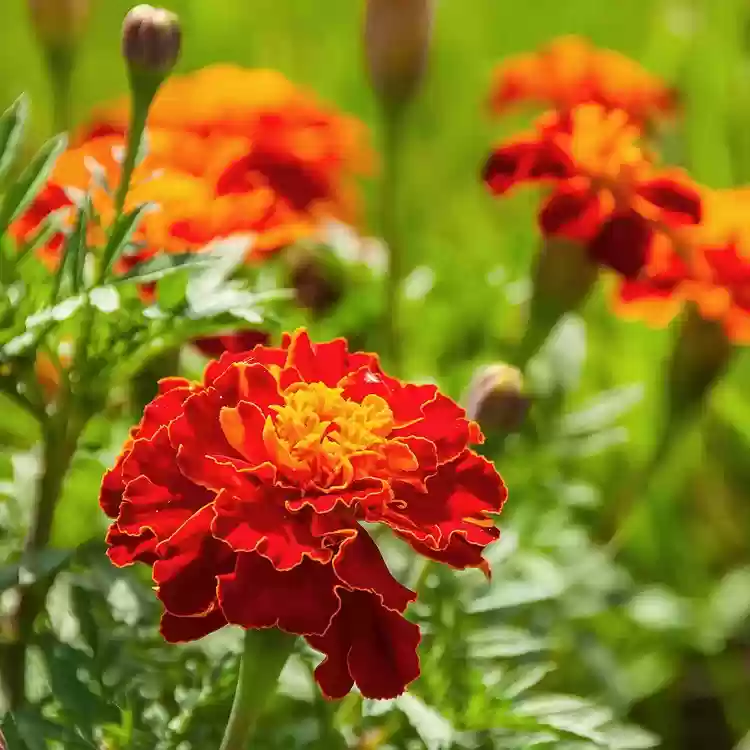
[59,23]
[495,398]
[316,276]
[151,39]
[397,42]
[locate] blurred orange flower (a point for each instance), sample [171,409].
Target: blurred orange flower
[606,193]
[230,151]
[711,270]
[569,71]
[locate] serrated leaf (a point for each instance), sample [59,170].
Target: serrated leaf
[160,266]
[22,193]
[120,235]
[12,124]
[434,730]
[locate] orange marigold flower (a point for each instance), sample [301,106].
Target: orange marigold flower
[708,265]
[246,494]
[229,151]
[605,191]
[569,71]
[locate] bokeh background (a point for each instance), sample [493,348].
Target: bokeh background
[659,634]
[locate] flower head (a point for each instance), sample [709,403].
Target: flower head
[605,194]
[59,23]
[569,71]
[711,271]
[246,494]
[229,151]
[151,39]
[397,41]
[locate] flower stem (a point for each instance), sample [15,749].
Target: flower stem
[61,435]
[60,61]
[144,88]
[264,655]
[389,230]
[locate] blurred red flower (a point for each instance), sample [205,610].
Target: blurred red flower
[569,71]
[230,151]
[246,494]
[605,191]
[708,265]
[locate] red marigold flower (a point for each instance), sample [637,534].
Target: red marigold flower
[230,151]
[569,71]
[246,494]
[708,265]
[605,191]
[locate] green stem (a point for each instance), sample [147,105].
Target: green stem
[60,440]
[144,88]
[392,139]
[264,655]
[60,63]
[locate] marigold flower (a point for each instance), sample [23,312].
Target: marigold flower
[712,270]
[569,71]
[246,493]
[229,151]
[605,192]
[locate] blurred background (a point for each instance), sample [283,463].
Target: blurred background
[656,632]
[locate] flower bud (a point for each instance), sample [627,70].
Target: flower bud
[316,275]
[59,23]
[151,39]
[495,398]
[397,41]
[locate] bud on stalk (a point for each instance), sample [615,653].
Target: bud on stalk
[397,41]
[563,279]
[151,40]
[700,356]
[496,400]
[59,23]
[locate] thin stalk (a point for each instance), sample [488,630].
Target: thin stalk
[393,118]
[264,656]
[60,64]
[60,439]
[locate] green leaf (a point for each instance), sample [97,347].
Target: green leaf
[434,730]
[12,124]
[23,192]
[120,236]
[160,266]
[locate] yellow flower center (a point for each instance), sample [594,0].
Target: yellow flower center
[319,437]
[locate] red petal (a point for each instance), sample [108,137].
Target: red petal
[525,161]
[364,493]
[681,202]
[183,629]
[243,429]
[256,595]
[444,424]
[367,645]
[460,500]
[360,566]
[574,214]
[125,549]
[248,381]
[236,343]
[623,244]
[258,522]
[190,561]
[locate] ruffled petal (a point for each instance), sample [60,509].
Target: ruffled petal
[573,214]
[368,645]
[258,522]
[188,565]
[257,595]
[360,566]
[460,500]
[678,199]
[623,244]
[176,629]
